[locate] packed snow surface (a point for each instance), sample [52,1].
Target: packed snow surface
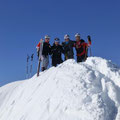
[71,91]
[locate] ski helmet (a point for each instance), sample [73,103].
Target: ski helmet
[77,35]
[47,37]
[57,40]
[66,36]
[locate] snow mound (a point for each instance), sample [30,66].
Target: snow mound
[71,91]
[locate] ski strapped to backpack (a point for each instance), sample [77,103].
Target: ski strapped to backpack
[89,39]
[86,51]
[90,51]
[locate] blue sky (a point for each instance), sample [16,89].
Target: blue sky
[24,22]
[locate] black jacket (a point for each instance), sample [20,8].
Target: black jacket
[56,51]
[68,48]
[46,49]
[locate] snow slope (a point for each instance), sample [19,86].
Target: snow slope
[71,91]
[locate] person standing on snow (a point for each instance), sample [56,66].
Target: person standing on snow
[68,47]
[45,52]
[81,48]
[56,52]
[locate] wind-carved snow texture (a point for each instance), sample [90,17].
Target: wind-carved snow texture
[71,91]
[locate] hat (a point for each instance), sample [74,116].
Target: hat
[57,40]
[77,35]
[66,36]
[47,37]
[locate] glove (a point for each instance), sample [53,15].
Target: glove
[38,49]
[88,37]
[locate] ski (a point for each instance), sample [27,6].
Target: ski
[40,57]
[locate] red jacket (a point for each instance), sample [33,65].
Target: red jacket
[81,47]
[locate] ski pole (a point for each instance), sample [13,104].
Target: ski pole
[31,65]
[27,73]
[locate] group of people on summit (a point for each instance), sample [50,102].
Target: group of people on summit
[66,48]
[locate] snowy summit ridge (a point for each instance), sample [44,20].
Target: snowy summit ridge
[71,91]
